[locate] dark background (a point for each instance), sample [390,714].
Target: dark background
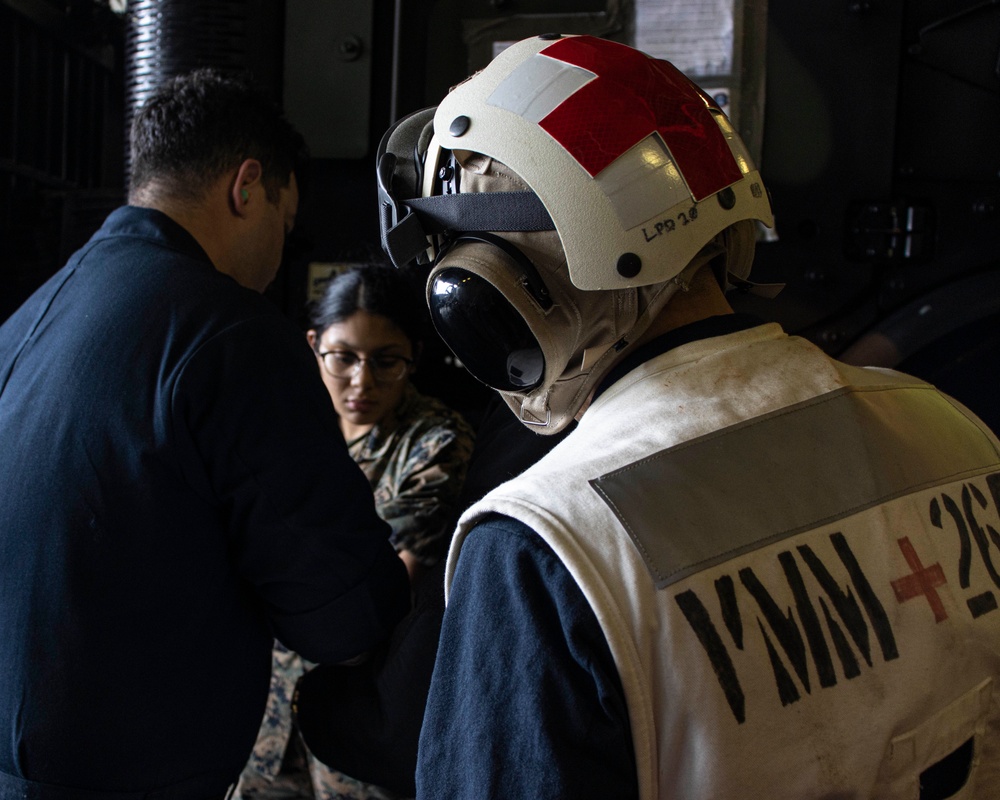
[880,146]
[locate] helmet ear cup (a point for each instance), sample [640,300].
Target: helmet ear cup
[529,276]
[468,294]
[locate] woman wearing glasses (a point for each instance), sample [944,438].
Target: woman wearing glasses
[367,333]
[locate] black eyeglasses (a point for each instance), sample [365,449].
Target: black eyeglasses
[344,365]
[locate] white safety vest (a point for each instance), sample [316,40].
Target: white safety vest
[796,565]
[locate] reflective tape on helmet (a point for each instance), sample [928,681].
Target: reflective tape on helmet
[672,107]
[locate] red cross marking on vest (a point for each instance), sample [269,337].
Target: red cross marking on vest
[924,581]
[632,96]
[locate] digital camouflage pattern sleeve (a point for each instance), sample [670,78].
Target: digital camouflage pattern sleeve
[416,461]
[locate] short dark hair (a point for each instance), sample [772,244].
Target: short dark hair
[197,126]
[378,289]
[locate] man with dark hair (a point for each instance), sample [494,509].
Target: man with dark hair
[174,490]
[749,570]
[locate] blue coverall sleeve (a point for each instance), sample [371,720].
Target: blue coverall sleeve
[302,527]
[525,700]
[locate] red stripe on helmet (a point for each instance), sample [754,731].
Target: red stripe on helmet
[631,97]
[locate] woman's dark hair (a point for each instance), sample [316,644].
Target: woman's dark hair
[377,289]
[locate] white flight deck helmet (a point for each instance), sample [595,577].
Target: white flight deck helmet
[563,195]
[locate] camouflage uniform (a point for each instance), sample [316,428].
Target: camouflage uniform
[415,460]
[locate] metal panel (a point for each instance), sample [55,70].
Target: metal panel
[328,67]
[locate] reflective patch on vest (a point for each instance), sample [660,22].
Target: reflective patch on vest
[711,499]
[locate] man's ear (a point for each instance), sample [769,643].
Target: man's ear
[246,186]
[312,338]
